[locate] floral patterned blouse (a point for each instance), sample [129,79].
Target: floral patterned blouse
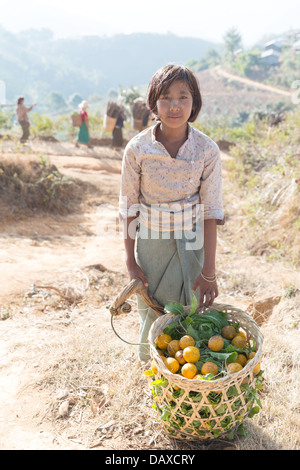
[152,178]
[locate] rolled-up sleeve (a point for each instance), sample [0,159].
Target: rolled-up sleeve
[130,185]
[211,184]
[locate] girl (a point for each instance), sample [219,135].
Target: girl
[170,172]
[83,134]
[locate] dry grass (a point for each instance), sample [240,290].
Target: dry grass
[105,386]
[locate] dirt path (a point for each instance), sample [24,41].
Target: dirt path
[249,82]
[45,250]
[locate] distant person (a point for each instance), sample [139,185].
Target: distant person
[23,120]
[83,133]
[117,135]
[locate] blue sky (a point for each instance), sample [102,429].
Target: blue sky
[207,19]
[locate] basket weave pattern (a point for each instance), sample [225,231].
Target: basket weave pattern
[200,409]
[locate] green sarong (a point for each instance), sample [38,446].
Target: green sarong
[83,134]
[171,267]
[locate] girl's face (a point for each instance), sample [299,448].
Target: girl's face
[174,106]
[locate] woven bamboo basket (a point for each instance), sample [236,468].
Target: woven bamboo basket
[109,123]
[138,124]
[197,409]
[222,404]
[76,120]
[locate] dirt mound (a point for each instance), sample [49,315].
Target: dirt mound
[36,185]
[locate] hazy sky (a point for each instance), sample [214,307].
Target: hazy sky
[207,19]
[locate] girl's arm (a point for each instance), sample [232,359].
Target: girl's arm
[133,268]
[208,290]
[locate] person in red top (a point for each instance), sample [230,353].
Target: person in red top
[83,136]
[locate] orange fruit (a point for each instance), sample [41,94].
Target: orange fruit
[189,370]
[191,354]
[242,333]
[256,369]
[209,368]
[228,332]
[160,352]
[251,355]
[239,341]
[172,364]
[198,377]
[186,341]
[234,367]
[179,357]
[216,343]
[163,340]
[241,359]
[173,347]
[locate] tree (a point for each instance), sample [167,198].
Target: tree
[55,101]
[129,95]
[95,98]
[75,99]
[211,59]
[112,94]
[248,62]
[232,41]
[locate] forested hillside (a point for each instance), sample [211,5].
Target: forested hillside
[33,63]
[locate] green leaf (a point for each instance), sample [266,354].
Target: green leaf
[208,377]
[175,330]
[195,396]
[193,332]
[232,392]
[166,413]
[174,307]
[224,357]
[160,382]
[253,412]
[194,305]
[230,435]
[241,431]
[221,410]
[232,348]
[206,331]
[217,318]
[149,373]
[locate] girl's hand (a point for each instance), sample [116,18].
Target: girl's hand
[208,291]
[135,271]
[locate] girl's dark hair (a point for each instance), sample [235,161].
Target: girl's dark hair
[162,80]
[20,99]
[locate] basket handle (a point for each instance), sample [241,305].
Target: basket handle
[136,286]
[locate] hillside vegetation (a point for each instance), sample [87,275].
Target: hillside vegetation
[248,62]
[34,64]
[265,173]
